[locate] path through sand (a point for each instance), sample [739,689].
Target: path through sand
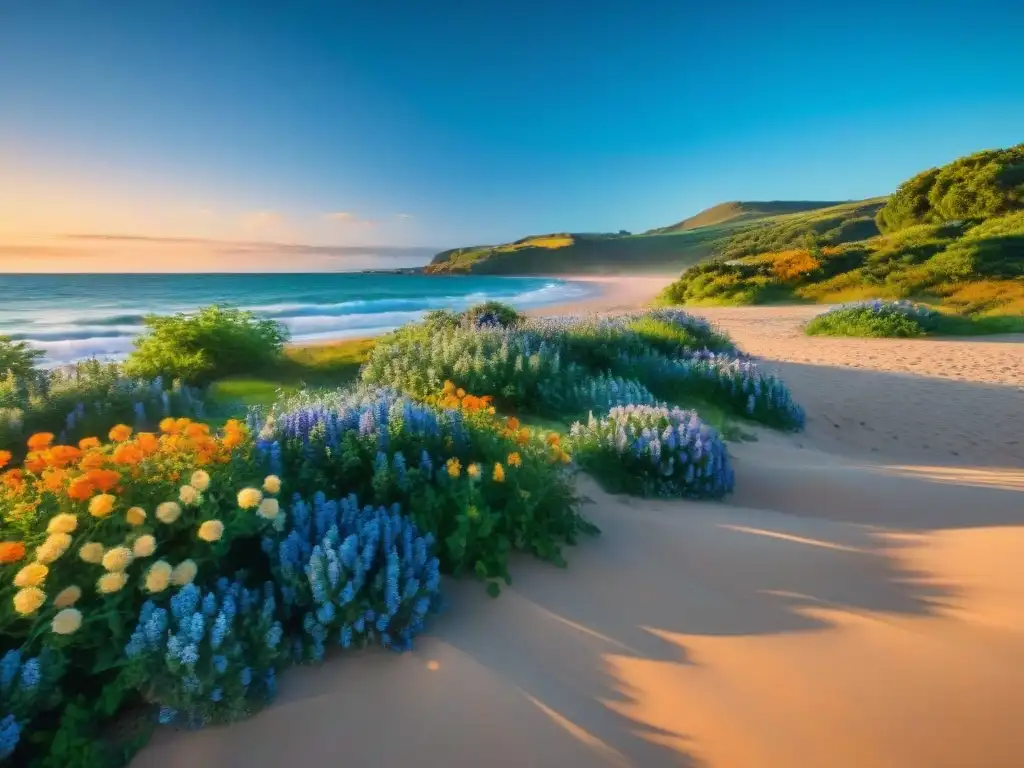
[858,602]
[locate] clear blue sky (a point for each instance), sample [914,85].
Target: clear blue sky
[481,122]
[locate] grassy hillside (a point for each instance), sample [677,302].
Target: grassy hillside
[738,210]
[662,251]
[952,235]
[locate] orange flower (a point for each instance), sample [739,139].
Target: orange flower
[169,426]
[197,430]
[147,442]
[523,437]
[120,433]
[126,453]
[11,552]
[87,443]
[512,423]
[81,488]
[5,458]
[514,460]
[103,479]
[13,479]
[553,439]
[232,439]
[35,462]
[63,455]
[40,441]
[53,479]
[92,461]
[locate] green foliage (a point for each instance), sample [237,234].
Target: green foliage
[874,319]
[17,358]
[977,186]
[87,398]
[491,314]
[211,344]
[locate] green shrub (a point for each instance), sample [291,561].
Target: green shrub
[17,358]
[491,314]
[211,344]
[875,319]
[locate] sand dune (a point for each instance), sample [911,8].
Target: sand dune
[858,602]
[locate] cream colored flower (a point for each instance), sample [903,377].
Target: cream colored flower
[32,575]
[62,523]
[102,505]
[144,546]
[91,552]
[188,496]
[168,512]
[67,597]
[272,484]
[158,576]
[29,600]
[268,509]
[249,498]
[67,621]
[112,582]
[183,573]
[135,516]
[211,530]
[200,480]
[117,558]
[56,544]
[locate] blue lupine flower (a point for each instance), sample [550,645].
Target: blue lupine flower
[189,655]
[216,694]
[220,663]
[197,628]
[30,674]
[245,676]
[10,735]
[9,666]
[167,715]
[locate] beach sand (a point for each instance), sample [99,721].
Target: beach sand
[858,602]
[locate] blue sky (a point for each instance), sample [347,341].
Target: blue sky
[452,123]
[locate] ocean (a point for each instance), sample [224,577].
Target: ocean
[75,317]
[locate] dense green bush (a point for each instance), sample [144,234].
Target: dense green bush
[876,319]
[17,358]
[977,186]
[211,344]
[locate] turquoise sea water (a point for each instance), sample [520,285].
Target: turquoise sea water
[74,317]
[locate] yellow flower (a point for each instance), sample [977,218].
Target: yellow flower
[67,621]
[56,544]
[91,552]
[111,582]
[29,600]
[188,495]
[158,576]
[499,473]
[135,516]
[514,460]
[102,505]
[32,575]
[117,558]
[454,467]
[474,470]
[168,512]
[249,498]
[183,573]
[144,546]
[564,457]
[62,523]
[460,393]
[449,388]
[272,484]
[211,530]
[67,597]
[200,480]
[268,509]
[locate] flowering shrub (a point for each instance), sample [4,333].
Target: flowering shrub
[27,686]
[878,318]
[740,385]
[213,657]
[352,576]
[481,486]
[654,451]
[86,399]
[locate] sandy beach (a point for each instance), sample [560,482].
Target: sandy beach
[859,601]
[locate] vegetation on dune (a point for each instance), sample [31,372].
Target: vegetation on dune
[738,209]
[152,571]
[903,319]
